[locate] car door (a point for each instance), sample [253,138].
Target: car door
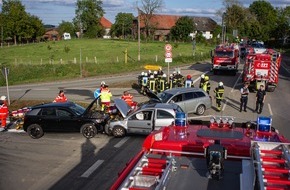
[178,99]
[163,118]
[48,119]
[141,122]
[190,102]
[67,121]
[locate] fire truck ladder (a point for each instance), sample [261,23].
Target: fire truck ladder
[271,161]
[149,172]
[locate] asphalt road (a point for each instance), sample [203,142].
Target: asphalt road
[68,161]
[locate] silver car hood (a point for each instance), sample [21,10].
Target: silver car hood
[122,106]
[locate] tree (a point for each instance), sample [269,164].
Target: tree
[66,27]
[283,27]
[149,7]
[123,25]
[15,19]
[88,15]
[183,27]
[266,16]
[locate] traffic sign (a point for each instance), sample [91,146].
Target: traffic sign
[168,47]
[168,60]
[168,54]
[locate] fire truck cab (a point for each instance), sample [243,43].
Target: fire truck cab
[225,58]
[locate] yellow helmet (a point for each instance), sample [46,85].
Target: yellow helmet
[206,78]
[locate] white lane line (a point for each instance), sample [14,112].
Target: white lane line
[92,168]
[199,77]
[233,88]
[285,68]
[225,104]
[119,144]
[270,109]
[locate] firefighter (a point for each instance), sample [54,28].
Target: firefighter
[244,97]
[206,85]
[128,98]
[140,77]
[201,81]
[105,97]
[219,92]
[160,72]
[144,83]
[152,83]
[171,81]
[179,79]
[102,85]
[188,82]
[60,97]
[260,99]
[163,85]
[4,112]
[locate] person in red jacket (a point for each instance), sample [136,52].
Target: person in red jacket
[61,97]
[128,98]
[4,112]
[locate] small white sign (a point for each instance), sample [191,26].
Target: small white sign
[168,54]
[168,60]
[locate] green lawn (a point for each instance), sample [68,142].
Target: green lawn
[58,60]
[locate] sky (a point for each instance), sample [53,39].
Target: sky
[55,11]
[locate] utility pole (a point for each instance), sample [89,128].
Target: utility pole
[1,36]
[139,56]
[81,62]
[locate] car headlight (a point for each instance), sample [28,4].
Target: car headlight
[158,136]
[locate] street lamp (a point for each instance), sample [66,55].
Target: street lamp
[223,28]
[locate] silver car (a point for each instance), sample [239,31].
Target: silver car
[145,119]
[191,100]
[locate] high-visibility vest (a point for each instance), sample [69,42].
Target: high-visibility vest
[4,111]
[128,99]
[152,85]
[60,99]
[106,95]
[162,84]
[219,92]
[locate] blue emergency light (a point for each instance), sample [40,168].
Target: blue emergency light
[264,124]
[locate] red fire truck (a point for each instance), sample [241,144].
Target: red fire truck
[225,58]
[262,69]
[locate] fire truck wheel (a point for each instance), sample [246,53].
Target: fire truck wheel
[200,110]
[35,131]
[88,130]
[118,131]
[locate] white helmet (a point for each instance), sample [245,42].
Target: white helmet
[221,83]
[171,75]
[164,75]
[149,71]
[142,73]
[202,76]
[103,83]
[155,72]
[151,76]
[145,74]
[174,72]
[3,98]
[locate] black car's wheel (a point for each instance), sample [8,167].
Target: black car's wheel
[88,130]
[200,110]
[35,131]
[118,131]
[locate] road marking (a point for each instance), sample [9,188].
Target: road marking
[285,68]
[16,130]
[233,88]
[92,168]
[225,104]
[119,144]
[270,109]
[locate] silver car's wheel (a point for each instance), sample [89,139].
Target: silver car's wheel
[200,110]
[118,131]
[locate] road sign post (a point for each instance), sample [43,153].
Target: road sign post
[5,72]
[168,57]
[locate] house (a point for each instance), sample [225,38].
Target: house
[161,25]
[51,34]
[106,24]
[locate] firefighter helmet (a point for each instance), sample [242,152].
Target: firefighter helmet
[142,74]
[188,77]
[151,76]
[206,78]
[221,83]
[174,72]
[164,75]
[145,74]
[3,98]
[202,76]
[149,71]
[155,73]
[103,83]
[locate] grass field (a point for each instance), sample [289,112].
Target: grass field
[59,60]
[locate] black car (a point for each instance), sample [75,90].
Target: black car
[64,117]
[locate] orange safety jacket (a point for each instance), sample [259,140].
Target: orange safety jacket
[128,99]
[60,99]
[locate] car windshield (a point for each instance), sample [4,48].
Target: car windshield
[164,97]
[77,109]
[224,53]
